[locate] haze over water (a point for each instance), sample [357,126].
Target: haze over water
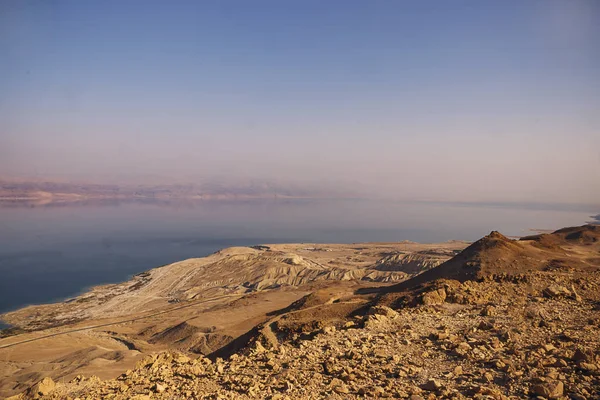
[49,253]
[447,101]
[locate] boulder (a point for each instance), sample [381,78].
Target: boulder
[434,297]
[432,385]
[383,310]
[556,291]
[44,387]
[550,389]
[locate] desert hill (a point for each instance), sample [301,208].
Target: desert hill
[235,272]
[503,319]
[587,234]
[495,255]
[196,306]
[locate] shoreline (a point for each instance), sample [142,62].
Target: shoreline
[144,280]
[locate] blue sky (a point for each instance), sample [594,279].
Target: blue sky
[458,100]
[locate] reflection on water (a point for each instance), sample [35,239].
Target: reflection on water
[53,250]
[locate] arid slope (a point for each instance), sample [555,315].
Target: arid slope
[504,319]
[197,306]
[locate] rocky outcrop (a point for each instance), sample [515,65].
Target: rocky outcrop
[496,256]
[413,263]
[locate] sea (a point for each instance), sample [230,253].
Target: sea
[55,251]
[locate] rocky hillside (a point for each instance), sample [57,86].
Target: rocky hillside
[414,262]
[497,255]
[238,271]
[196,306]
[545,346]
[504,319]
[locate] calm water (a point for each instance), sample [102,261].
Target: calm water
[49,253]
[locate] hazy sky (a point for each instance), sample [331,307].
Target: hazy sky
[460,100]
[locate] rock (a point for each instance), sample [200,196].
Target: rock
[488,377]
[329,330]
[581,355]
[259,348]
[548,347]
[44,387]
[439,335]
[588,367]
[338,386]
[158,388]
[432,385]
[434,297]
[463,349]
[485,326]
[342,389]
[329,367]
[376,319]
[383,310]
[576,296]
[550,389]
[195,370]
[488,311]
[181,359]
[349,324]
[554,291]
[377,391]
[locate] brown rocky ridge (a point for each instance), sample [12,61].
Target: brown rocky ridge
[502,319]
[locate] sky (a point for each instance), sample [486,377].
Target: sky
[435,100]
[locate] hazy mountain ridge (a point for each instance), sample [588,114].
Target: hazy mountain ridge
[67,192]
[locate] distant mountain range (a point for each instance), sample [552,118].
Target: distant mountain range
[45,192]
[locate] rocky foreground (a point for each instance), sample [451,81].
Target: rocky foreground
[503,319]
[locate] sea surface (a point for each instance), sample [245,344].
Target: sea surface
[52,252]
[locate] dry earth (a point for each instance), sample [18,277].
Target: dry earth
[502,319]
[196,306]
